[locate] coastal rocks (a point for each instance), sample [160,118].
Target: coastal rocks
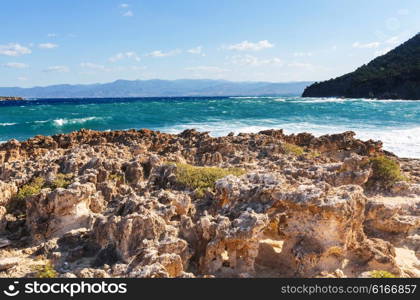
[403,188]
[52,214]
[127,233]
[387,217]
[231,246]
[7,191]
[354,170]
[113,204]
[133,172]
[7,263]
[3,98]
[144,240]
[321,227]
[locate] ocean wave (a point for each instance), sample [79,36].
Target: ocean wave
[7,124]
[62,122]
[252,97]
[319,100]
[403,142]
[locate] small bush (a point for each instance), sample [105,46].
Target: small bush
[292,149]
[386,171]
[31,189]
[61,181]
[46,271]
[382,274]
[200,179]
[116,177]
[313,154]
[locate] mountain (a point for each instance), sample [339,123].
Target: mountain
[159,88]
[395,75]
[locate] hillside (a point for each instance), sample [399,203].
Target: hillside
[395,75]
[159,88]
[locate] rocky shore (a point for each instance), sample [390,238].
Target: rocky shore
[10,98]
[149,204]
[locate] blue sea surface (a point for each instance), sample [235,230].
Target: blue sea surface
[395,122]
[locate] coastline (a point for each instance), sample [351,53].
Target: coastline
[96,204]
[395,123]
[3,98]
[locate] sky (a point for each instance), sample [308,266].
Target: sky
[47,42]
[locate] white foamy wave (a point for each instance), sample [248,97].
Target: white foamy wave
[319,100]
[7,124]
[62,122]
[252,97]
[42,121]
[403,142]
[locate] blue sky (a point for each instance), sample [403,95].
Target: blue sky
[48,42]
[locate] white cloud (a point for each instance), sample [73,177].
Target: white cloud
[159,53]
[367,45]
[59,69]
[249,60]
[22,78]
[124,55]
[137,68]
[128,13]
[13,49]
[403,12]
[124,5]
[89,65]
[382,51]
[52,35]
[249,46]
[299,65]
[393,40]
[196,50]
[15,65]
[302,54]
[47,46]
[206,69]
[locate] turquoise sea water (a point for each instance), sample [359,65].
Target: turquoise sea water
[395,122]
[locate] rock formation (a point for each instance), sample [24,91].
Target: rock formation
[113,204]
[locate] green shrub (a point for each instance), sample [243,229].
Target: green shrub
[46,271]
[386,171]
[116,177]
[200,179]
[31,189]
[62,181]
[292,149]
[382,274]
[313,154]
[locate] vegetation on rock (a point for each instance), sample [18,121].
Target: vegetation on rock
[200,179]
[31,189]
[61,181]
[46,271]
[386,172]
[292,149]
[381,274]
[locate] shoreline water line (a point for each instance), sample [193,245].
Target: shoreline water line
[394,122]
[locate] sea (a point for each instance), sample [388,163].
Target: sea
[395,122]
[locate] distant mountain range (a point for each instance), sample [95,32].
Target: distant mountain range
[395,75]
[159,88]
